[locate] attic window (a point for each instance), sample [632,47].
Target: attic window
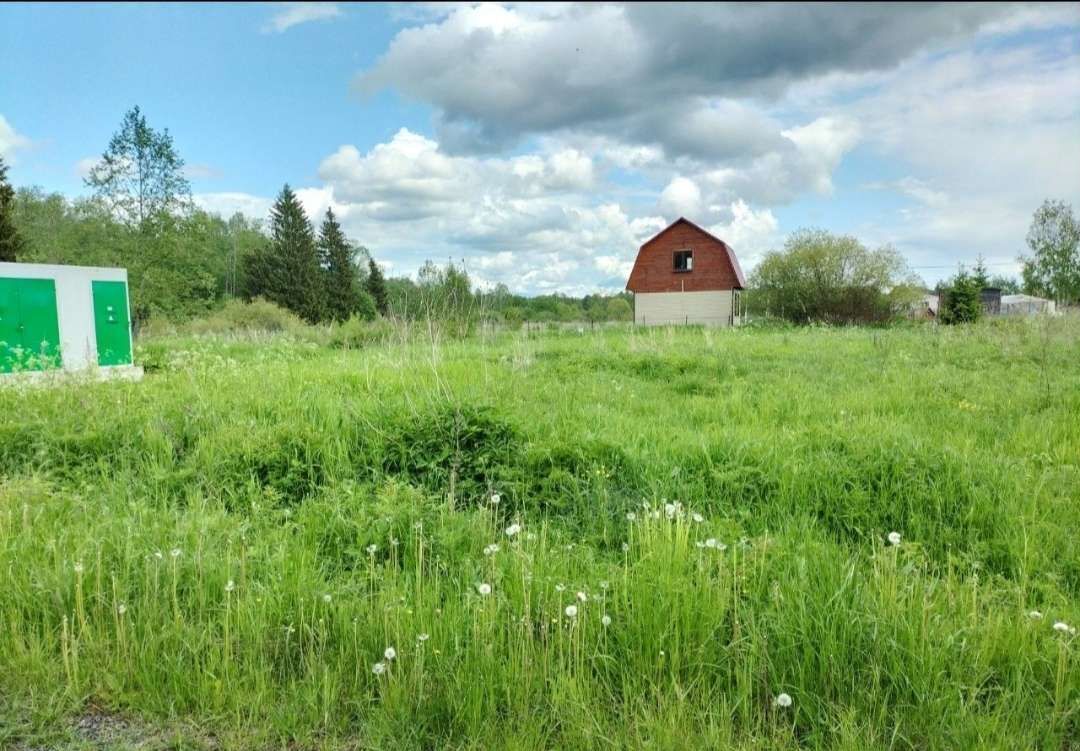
[684,260]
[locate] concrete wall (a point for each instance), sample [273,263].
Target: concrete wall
[712,308]
[75,305]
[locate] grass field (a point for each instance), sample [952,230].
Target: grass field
[689,524]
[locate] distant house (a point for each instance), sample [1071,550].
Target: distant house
[687,275]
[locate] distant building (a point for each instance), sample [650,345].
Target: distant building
[687,275]
[1021,305]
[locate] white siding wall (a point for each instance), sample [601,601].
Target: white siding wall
[711,308]
[74,303]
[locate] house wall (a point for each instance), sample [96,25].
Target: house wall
[654,268]
[709,308]
[74,302]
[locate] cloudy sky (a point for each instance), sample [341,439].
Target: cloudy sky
[542,144]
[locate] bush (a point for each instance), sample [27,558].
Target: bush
[360,332]
[257,315]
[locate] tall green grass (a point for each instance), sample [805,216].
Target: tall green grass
[226,550]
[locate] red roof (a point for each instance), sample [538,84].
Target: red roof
[727,248]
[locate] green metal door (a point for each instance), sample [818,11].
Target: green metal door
[29,329]
[111,324]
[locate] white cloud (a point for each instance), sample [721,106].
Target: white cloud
[293,14]
[227,204]
[750,233]
[11,140]
[201,172]
[681,197]
[86,165]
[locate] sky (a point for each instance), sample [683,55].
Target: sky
[540,145]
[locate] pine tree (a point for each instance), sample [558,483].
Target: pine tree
[376,287]
[11,242]
[287,271]
[338,269]
[962,302]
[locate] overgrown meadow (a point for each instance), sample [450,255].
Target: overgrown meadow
[615,539]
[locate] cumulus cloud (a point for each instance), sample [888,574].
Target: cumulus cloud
[11,140]
[294,14]
[227,204]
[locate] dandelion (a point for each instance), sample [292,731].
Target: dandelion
[371,549]
[783,701]
[603,585]
[158,555]
[698,518]
[711,543]
[122,608]
[513,529]
[1035,615]
[378,668]
[175,552]
[393,542]
[326,598]
[390,653]
[670,509]
[571,611]
[78,567]
[491,549]
[625,547]
[631,516]
[1062,627]
[230,585]
[560,587]
[495,499]
[894,538]
[484,589]
[423,637]
[605,621]
[582,596]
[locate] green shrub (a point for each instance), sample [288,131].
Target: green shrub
[359,332]
[237,316]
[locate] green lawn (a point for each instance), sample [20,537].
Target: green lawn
[217,557]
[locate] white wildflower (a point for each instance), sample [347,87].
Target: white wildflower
[326,598]
[121,608]
[230,585]
[495,499]
[606,620]
[491,549]
[513,529]
[79,567]
[894,538]
[1035,614]
[604,585]
[582,597]
[423,637]
[560,587]
[698,518]
[175,552]
[783,701]
[712,543]
[1062,627]
[625,547]
[571,611]
[631,516]
[484,589]
[378,668]
[158,555]
[371,549]
[670,509]
[390,653]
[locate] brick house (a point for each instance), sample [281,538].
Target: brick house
[686,275]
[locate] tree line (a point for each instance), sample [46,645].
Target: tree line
[183,261]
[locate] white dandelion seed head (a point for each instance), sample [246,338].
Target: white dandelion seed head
[326,597]
[423,637]
[495,499]
[1062,627]
[625,546]
[631,516]
[175,552]
[121,608]
[378,668]
[484,589]
[894,538]
[783,701]
[491,549]
[371,549]
[230,585]
[605,621]
[78,567]
[571,611]
[389,653]
[513,529]
[712,543]
[158,554]
[560,587]
[582,597]
[670,509]
[1035,614]
[604,585]
[698,518]
[394,541]
[699,544]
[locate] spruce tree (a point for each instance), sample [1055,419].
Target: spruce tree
[11,242]
[338,269]
[962,302]
[376,287]
[287,272]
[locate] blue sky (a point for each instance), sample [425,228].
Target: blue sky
[542,144]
